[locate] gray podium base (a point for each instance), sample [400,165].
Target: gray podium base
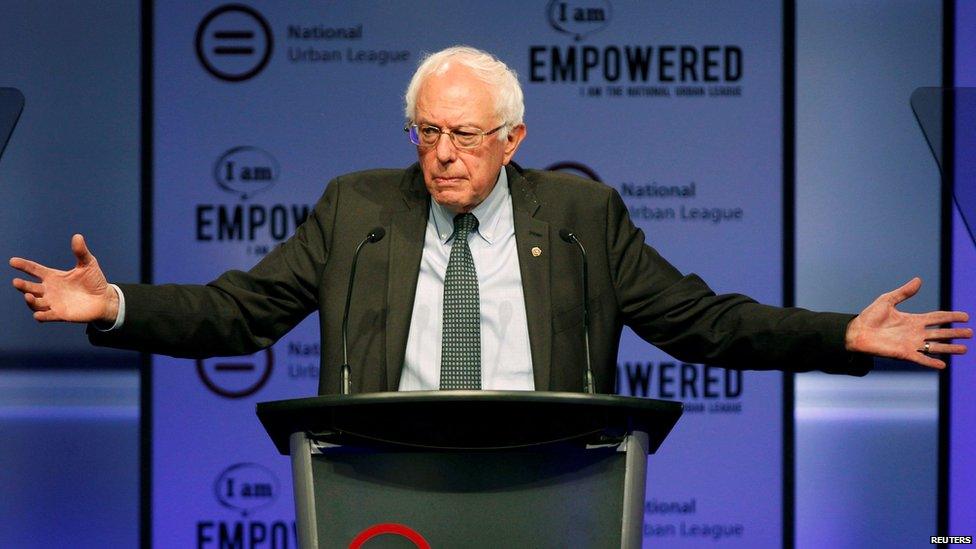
[553,495]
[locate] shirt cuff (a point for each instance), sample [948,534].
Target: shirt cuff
[120,319]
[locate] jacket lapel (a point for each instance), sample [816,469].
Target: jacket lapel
[533,234]
[406,248]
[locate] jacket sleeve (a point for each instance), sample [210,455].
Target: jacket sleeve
[239,312]
[681,315]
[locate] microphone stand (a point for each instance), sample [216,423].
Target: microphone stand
[345,385]
[568,236]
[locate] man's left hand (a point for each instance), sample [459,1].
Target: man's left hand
[882,330]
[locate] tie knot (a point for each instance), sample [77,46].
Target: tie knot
[463,225]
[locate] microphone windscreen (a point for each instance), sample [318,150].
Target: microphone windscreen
[567,235]
[376,234]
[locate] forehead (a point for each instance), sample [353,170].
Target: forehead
[455,96]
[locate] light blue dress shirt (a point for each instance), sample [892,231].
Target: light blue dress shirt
[506,359]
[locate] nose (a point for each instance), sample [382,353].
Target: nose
[446,152]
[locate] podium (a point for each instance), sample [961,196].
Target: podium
[469,468]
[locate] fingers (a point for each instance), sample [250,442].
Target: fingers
[919,358]
[36,303]
[29,287]
[45,316]
[944,317]
[42,311]
[948,333]
[80,250]
[30,267]
[908,290]
[946,348]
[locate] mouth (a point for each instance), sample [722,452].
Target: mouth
[448,181]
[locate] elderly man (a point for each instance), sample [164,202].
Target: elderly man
[472,287]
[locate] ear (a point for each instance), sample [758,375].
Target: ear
[515,137]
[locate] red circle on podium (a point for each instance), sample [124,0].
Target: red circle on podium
[389,528]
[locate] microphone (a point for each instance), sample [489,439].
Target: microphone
[375,235]
[571,238]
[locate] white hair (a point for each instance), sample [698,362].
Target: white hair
[502,81]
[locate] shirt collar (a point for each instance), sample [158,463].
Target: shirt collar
[488,212]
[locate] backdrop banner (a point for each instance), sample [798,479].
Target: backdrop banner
[677,105]
[962,373]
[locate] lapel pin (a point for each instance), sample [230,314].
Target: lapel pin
[536,251]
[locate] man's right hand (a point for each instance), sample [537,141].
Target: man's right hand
[79,295]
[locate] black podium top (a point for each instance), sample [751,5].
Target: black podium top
[467,420]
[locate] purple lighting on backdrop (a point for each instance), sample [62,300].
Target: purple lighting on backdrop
[964,190]
[962,415]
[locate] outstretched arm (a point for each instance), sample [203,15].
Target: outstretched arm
[81,294]
[883,330]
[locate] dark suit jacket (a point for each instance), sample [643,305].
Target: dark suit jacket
[630,284]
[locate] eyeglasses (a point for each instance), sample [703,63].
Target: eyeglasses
[465,137]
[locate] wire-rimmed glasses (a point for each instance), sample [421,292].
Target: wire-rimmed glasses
[465,137]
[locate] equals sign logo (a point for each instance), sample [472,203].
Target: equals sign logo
[236,378]
[234,367]
[233,35]
[234,42]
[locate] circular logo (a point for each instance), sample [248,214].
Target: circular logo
[389,528]
[246,487]
[234,42]
[576,168]
[579,17]
[246,171]
[236,377]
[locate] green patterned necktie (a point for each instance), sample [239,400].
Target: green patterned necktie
[461,337]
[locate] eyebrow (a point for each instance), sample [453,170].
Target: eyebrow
[465,125]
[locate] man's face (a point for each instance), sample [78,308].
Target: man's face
[460,179]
